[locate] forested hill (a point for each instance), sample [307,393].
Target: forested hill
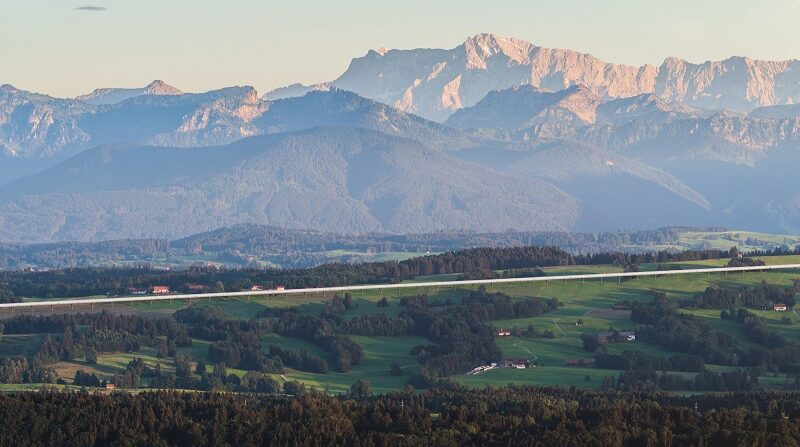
[476,262]
[456,417]
[269,246]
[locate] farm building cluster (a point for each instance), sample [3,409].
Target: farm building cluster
[516,363]
[191,288]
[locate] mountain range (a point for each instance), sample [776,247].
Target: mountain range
[494,134]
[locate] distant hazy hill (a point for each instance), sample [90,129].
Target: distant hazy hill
[103,96]
[341,108]
[526,107]
[330,179]
[36,126]
[265,245]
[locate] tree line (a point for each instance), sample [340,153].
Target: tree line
[443,417]
[72,282]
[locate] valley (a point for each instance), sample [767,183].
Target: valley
[588,302]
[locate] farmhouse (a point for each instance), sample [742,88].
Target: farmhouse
[503,333]
[779,308]
[280,288]
[516,363]
[161,290]
[606,337]
[256,288]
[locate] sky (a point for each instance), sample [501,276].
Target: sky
[65,48]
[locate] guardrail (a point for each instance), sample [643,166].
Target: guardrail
[418,285]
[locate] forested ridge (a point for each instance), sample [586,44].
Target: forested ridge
[289,248]
[442,417]
[476,262]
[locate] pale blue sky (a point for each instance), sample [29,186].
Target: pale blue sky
[52,47]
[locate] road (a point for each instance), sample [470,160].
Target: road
[559,327]
[382,287]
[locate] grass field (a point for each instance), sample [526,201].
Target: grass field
[379,353]
[745,240]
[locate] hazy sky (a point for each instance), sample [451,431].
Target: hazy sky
[66,47]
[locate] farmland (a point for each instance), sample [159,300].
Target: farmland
[587,302]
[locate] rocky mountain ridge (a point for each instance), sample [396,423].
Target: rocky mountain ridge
[434,83]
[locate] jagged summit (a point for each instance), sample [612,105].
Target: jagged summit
[434,83]
[159,87]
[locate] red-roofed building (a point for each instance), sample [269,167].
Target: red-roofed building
[160,290]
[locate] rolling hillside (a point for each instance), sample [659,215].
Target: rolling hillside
[331,179]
